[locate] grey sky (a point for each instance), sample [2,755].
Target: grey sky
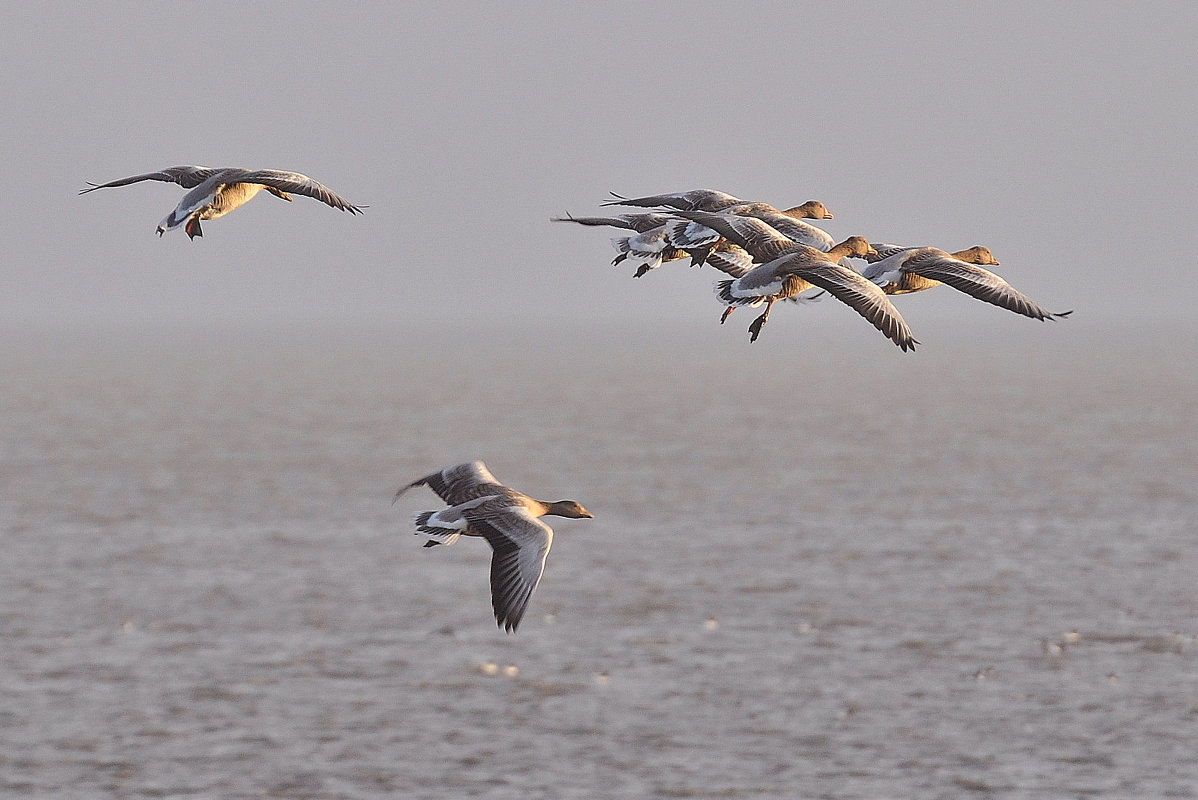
[1061,135]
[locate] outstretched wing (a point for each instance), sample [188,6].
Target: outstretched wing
[188,177]
[294,182]
[633,222]
[694,200]
[521,543]
[759,239]
[459,483]
[798,231]
[730,259]
[884,251]
[980,283]
[864,297]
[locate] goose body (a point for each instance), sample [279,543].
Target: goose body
[902,270]
[510,521]
[217,191]
[786,268]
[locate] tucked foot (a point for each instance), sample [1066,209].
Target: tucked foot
[756,326]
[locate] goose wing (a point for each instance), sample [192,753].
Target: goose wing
[459,483]
[851,288]
[798,231]
[633,222]
[694,200]
[294,182]
[521,542]
[730,259]
[759,239]
[885,251]
[973,280]
[188,177]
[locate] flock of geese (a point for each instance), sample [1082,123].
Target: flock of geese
[768,254]
[771,255]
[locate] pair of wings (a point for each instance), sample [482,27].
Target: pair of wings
[190,176]
[520,540]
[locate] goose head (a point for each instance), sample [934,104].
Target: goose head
[569,508]
[812,209]
[977,255]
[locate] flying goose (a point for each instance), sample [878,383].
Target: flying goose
[787,268]
[217,191]
[479,505]
[901,270]
[647,249]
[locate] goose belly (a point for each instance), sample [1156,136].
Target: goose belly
[229,198]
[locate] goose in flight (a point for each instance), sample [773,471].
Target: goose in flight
[217,191]
[647,249]
[510,521]
[786,268]
[902,270]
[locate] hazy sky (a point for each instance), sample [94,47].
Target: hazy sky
[1061,135]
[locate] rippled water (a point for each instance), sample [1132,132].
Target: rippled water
[819,567]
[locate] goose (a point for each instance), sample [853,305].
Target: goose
[647,249]
[902,270]
[217,191]
[479,505]
[786,268]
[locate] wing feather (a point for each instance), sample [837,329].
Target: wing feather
[294,182]
[188,177]
[862,296]
[976,282]
[459,483]
[521,543]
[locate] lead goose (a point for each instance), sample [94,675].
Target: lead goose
[479,505]
[902,270]
[217,191]
[787,268]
